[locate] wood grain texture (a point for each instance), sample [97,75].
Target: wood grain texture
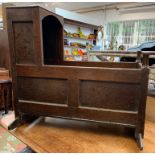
[4,50]
[5,89]
[125,75]
[24,34]
[99,94]
[150,109]
[43,90]
[82,137]
[5,94]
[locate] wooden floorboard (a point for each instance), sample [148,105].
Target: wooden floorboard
[60,135]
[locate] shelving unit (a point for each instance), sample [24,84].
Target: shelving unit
[77,52]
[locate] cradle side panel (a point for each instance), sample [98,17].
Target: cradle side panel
[109,95]
[43,90]
[99,94]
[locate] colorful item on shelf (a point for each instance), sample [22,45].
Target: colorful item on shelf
[80,52]
[65,33]
[81,35]
[69,59]
[91,36]
[76,44]
[79,30]
[73,50]
[84,36]
[67,52]
[69,34]
[75,35]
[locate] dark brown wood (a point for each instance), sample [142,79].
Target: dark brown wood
[6,94]
[4,50]
[45,85]
[145,59]
[139,55]
[146,55]
[102,64]
[24,33]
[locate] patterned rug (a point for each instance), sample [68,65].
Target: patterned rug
[9,143]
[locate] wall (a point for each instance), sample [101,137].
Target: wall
[0,12]
[114,15]
[76,16]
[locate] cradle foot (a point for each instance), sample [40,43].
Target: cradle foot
[139,140]
[14,124]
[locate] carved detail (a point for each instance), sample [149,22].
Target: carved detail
[24,42]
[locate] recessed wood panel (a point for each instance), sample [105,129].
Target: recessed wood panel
[110,95]
[24,42]
[42,90]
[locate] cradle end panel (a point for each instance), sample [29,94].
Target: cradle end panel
[24,42]
[17,16]
[142,106]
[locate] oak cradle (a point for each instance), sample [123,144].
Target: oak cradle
[45,85]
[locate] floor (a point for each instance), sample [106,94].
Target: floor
[8,142]
[60,135]
[6,119]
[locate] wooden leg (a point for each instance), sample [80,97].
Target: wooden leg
[139,140]
[17,122]
[14,124]
[21,119]
[6,101]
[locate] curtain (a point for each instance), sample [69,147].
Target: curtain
[131,33]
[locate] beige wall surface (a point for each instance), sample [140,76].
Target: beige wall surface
[0,11]
[114,15]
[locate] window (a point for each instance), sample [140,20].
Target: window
[131,33]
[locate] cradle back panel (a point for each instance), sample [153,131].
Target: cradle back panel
[111,92]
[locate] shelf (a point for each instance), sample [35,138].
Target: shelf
[78,38]
[67,46]
[75,55]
